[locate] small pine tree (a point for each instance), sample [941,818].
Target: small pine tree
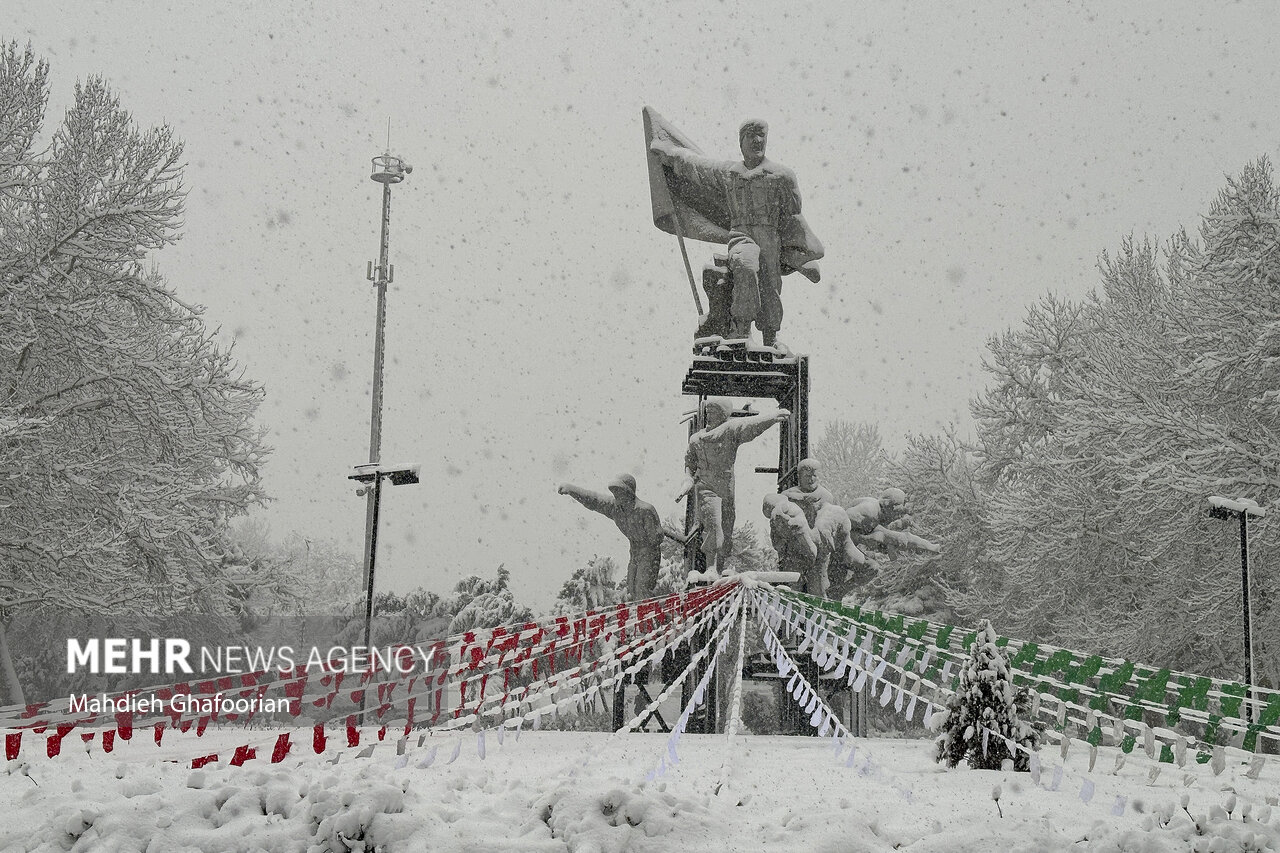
[987,699]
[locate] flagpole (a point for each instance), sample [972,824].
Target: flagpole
[680,229]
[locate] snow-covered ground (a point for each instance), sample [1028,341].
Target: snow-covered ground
[537,794]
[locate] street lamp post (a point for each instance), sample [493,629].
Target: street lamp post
[1241,509]
[372,476]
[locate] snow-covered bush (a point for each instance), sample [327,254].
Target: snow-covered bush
[985,711]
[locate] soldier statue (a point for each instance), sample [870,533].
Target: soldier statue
[637,520]
[709,461]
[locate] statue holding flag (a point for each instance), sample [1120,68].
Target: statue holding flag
[753,207]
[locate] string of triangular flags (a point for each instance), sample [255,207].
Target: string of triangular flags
[804,625]
[568,696]
[667,615]
[670,757]
[825,721]
[1251,714]
[1125,726]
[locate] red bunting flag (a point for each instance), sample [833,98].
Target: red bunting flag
[243,753]
[281,749]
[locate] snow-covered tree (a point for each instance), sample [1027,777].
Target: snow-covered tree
[749,554]
[1108,423]
[986,712]
[126,431]
[853,460]
[590,587]
[948,506]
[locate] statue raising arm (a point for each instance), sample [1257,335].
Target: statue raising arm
[594,501]
[690,167]
[751,428]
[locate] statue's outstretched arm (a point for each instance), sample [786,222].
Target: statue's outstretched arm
[749,429]
[689,166]
[903,539]
[594,501]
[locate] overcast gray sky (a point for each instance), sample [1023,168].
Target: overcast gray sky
[956,165]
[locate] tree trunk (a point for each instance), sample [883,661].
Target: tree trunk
[10,675]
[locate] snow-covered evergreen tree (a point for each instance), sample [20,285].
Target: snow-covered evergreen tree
[986,709]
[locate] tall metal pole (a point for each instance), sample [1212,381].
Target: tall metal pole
[374,493]
[387,170]
[1242,508]
[1248,631]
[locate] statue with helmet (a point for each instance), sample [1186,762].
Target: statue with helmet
[637,520]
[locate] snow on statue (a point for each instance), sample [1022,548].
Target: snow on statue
[752,206]
[637,520]
[881,524]
[709,461]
